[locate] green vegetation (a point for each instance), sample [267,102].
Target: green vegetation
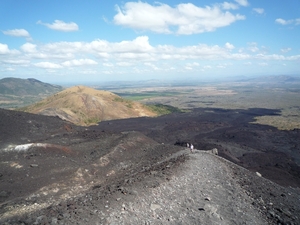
[128,102]
[118,99]
[161,109]
[23,87]
[90,121]
[16,92]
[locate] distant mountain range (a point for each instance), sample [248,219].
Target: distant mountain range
[85,106]
[30,86]
[280,79]
[16,92]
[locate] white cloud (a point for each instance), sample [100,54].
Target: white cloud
[4,49]
[138,45]
[227,6]
[229,46]
[285,50]
[48,65]
[263,64]
[17,61]
[88,71]
[61,26]
[108,64]
[282,21]
[242,2]
[252,46]
[17,33]
[192,64]
[124,64]
[136,55]
[130,52]
[28,48]
[293,58]
[101,48]
[184,19]
[10,69]
[270,57]
[287,22]
[79,62]
[259,10]
[153,66]
[6,52]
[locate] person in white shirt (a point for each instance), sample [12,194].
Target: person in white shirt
[192,148]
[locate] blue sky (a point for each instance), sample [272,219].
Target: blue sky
[104,40]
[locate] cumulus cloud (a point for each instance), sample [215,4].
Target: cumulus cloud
[48,65]
[69,63]
[108,64]
[4,49]
[17,33]
[229,5]
[242,2]
[61,26]
[184,19]
[136,55]
[192,64]
[152,65]
[259,10]
[79,62]
[285,50]
[140,44]
[17,62]
[229,46]
[10,69]
[6,52]
[130,52]
[100,48]
[287,22]
[252,46]
[263,64]
[28,48]
[283,22]
[124,64]
[270,57]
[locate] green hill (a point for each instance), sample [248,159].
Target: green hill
[30,86]
[16,92]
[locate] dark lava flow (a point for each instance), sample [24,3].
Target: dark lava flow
[260,148]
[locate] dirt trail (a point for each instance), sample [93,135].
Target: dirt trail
[202,191]
[185,188]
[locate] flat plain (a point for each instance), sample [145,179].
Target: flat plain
[283,96]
